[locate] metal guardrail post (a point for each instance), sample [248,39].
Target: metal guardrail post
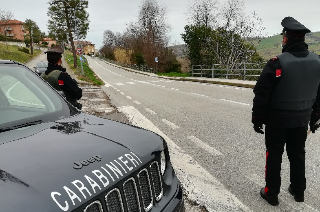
[192,70]
[201,70]
[227,71]
[212,74]
[244,71]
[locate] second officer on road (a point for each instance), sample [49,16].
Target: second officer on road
[287,95]
[59,79]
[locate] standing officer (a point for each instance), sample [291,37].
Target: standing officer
[59,79]
[286,97]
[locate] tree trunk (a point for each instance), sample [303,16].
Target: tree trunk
[75,64]
[31,43]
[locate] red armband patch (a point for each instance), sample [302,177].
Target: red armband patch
[60,82]
[278,73]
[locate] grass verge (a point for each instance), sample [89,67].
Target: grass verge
[11,52]
[174,74]
[88,74]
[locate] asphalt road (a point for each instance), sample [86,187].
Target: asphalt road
[218,157]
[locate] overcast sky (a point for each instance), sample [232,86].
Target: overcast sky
[115,14]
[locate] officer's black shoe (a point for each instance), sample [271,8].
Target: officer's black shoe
[271,199]
[297,197]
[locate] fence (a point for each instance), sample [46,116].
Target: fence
[21,44]
[244,71]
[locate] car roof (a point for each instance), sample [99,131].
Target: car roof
[11,62]
[7,62]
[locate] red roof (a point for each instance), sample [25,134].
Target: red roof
[11,22]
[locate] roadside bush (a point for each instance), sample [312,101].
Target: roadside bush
[3,38]
[173,66]
[24,49]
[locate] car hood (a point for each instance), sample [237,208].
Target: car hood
[43,166]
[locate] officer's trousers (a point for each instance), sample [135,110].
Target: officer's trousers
[275,139]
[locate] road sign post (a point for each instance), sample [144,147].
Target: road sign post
[81,64]
[156,60]
[79,52]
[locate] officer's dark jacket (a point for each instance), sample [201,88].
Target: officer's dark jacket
[284,102]
[59,79]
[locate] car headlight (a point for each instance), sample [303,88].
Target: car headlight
[163,162]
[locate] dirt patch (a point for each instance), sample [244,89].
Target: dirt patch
[95,102]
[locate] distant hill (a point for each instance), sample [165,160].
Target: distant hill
[270,46]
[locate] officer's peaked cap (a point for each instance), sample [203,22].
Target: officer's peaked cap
[55,49]
[291,25]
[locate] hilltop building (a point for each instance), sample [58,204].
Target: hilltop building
[49,41]
[86,46]
[13,29]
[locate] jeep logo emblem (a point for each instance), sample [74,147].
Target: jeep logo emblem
[79,165]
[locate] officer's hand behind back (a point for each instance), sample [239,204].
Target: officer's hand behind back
[258,128]
[314,118]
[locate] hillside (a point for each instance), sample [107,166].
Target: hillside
[13,53]
[270,46]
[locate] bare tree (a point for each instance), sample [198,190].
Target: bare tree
[5,17]
[202,13]
[236,23]
[153,25]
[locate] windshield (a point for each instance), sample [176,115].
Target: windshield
[24,98]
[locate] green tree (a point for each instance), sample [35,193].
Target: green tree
[68,16]
[33,35]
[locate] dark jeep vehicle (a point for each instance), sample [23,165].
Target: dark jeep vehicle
[55,158]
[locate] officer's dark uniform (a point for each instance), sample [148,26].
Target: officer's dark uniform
[286,96]
[59,79]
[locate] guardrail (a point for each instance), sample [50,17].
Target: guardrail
[240,71]
[143,68]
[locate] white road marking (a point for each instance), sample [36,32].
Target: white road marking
[240,103]
[199,94]
[119,83]
[200,186]
[106,84]
[122,93]
[204,146]
[136,102]
[151,111]
[170,124]
[132,83]
[129,97]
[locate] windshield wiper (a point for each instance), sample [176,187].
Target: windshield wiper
[27,124]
